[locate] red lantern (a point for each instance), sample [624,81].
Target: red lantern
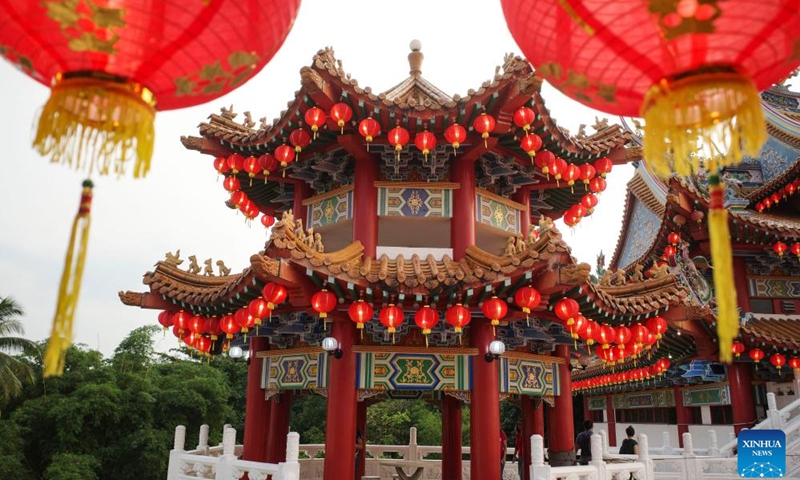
[756,354]
[274,294]
[494,309]
[524,117]
[776,198]
[779,248]
[197,325]
[639,334]
[189,340]
[391,317]
[398,137]
[657,325]
[258,309]
[252,167]
[578,210]
[229,325]
[458,316]
[213,327]
[670,251]
[426,318]
[737,348]
[571,173]
[110,64]
[579,326]
[606,335]
[268,164]
[603,166]
[455,135]
[767,202]
[231,184]
[244,319]
[589,201]
[558,167]
[794,362]
[527,298]
[531,143]
[285,155]
[180,321]
[543,160]
[570,219]
[323,302]
[203,344]
[300,139]
[360,312]
[760,206]
[315,117]
[221,165]
[425,142]
[165,319]
[674,238]
[590,332]
[597,184]
[621,336]
[795,249]
[341,113]
[267,220]
[369,128]
[249,209]
[587,174]
[777,360]
[484,124]
[235,163]
[566,309]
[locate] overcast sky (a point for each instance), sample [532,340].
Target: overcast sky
[181,204]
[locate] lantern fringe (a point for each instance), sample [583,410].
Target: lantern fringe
[719,112]
[70,287]
[95,124]
[722,261]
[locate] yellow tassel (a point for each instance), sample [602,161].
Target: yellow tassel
[95,122]
[70,288]
[718,112]
[722,261]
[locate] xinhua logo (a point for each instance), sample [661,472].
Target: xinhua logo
[762,453]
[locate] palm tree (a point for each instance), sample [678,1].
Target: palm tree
[13,371]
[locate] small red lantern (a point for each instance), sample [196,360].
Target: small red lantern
[425,142]
[760,206]
[670,250]
[165,319]
[527,298]
[455,135]
[606,335]
[268,164]
[639,334]
[391,317]
[189,340]
[398,137]
[587,174]
[202,344]
[578,327]
[657,325]
[589,201]
[221,165]
[531,143]
[300,139]
[776,198]
[252,167]
[235,163]
[458,316]
[369,128]
[621,336]
[590,332]
[603,166]
[597,184]
[231,184]
[737,348]
[795,249]
[571,173]
[779,248]
[229,325]
[245,320]
[274,294]
[777,360]
[249,209]
[239,198]
[426,318]
[213,328]
[323,302]
[543,160]
[578,210]
[674,238]
[524,117]
[484,124]
[360,312]
[197,325]
[285,155]
[570,219]
[566,309]
[341,113]
[794,362]
[558,167]
[767,202]
[315,117]
[258,309]
[180,320]
[494,309]
[756,354]
[267,220]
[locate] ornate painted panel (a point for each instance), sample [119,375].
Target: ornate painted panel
[774,287]
[413,371]
[529,377]
[415,200]
[597,403]
[640,233]
[495,213]
[295,371]
[656,399]
[775,157]
[716,395]
[330,209]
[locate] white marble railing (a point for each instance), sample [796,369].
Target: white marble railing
[618,467]
[222,464]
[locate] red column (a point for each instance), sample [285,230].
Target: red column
[740,281]
[485,406]
[279,427]
[740,380]
[451,438]
[612,420]
[523,196]
[256,413]
[301,192]
[340,430]
[365,205]
[587,414]
[462,225]
[361,425]
[538,418]
[528,429]
[562,436]
[683,415]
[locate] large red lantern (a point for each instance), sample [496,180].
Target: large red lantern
[777,360]
[484,124]
[590,332]
[221,165]
[566,309]
[756,354]
[589,201]
[300,139]
[274,294]
[197,325]
[494,309]
[657,325]
[531,143]
[180,320]
[543,160]
[391,317]
[458,316]
[231,184]
[621,336]
[455,135]
[398,137]
[571,173]
[527,298]
[737,348]
[524,117]
[341,113]
[229,325]
[285,155]
[258,309]
[606,335]
[268,164]
[315,117]
[267,220]
[587,174]
[245,320]
[323,302]
[369,128]
[213,327]
[639,334]
[360,312]
[597,184]
[425,142]
[426,318]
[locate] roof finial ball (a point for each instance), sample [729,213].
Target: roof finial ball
[415,58]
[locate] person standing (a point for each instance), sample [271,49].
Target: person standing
[629,445]
[503,448]
[520,445]
[583,442]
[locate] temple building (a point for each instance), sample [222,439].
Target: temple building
[412,254]
[664,224]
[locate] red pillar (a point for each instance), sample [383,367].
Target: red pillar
[740,380]
[365,205]
[462,225]
[340,430]
[301,192]
[361,425]
[538,418]
[256,413]
[485,406]
[611,420]
[740,281]
[279,427]
[451,438]
[562,430]
[682,414]
[523,196]
[528,429]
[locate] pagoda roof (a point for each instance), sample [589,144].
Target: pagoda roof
[778,330]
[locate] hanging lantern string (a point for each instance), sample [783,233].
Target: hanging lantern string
[70,287]
[722,259]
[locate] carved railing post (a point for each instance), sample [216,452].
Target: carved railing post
[596,446]
[412,444]
[644,456]
[774,415]
[202,441]
[713,447]
[539,471]
[174,469]
[688,449]
[604,436]
[224,467]
[666,440]
[290,469]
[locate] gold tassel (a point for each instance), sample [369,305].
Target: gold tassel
[96,121]
[722,261]
[719,111]
[70,288]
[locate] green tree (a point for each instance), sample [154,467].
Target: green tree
[13,371]
[69,466]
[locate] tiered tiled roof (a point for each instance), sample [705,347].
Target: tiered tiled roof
[777,330]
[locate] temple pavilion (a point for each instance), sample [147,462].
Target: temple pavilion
[664,223]
[412,254]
